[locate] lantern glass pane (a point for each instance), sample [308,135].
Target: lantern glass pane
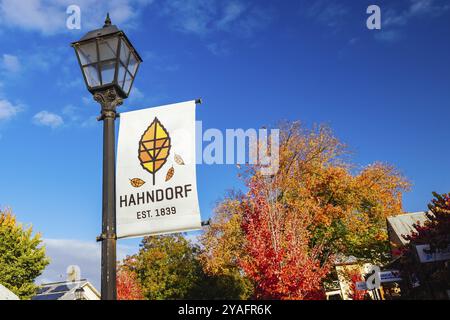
[132,66]
[108,48]
[124,52]
[108,70]
[127,84]
[121,75]
[87,53]
[91,75]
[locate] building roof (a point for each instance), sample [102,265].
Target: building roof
[341,260]
[63,290]
[6,294]
[404,224]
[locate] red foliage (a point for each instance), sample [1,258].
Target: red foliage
[128,287]
[436,231]
[356,294]
[279,260]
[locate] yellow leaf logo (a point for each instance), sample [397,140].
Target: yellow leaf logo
[154,148]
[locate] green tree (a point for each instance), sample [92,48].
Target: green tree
[166,267]
[22,258]
[169,267]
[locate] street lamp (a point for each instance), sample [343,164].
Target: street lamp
[79,294]
[109,64]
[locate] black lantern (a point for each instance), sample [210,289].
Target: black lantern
[107,60]
[79,294]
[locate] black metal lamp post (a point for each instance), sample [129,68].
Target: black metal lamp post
[109,64]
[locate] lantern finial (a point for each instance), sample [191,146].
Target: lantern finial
[107,21]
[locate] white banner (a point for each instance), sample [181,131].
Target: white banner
[156,189]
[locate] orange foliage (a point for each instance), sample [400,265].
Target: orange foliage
[279,259]
[128,287]
[317,200]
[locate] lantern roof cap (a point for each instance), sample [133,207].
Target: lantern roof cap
[107,21]
[111,29]
[108,29]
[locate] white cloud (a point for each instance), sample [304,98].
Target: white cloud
[204,17]
[87,100]
[68,84]
[231,12]
[31,15]
[136,95]
[218,48]
[393,20]
[419,7]
[8,110]
[90,122]
[85,254]
[353,41]
[48,119]
[49,16]
[388,35]
[36,59]
[190,16]
[416,8]
[328,13]
[72,112]
[70,116]
[10,63]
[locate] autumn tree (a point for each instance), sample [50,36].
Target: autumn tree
[348,207]
[22,256]
[318,202]
[223,248]
[279,257]
[435,232]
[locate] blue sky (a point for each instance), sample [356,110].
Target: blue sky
[384,92]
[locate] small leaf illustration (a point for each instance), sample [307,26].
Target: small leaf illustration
[136,182]
[179,160]
[170,174]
